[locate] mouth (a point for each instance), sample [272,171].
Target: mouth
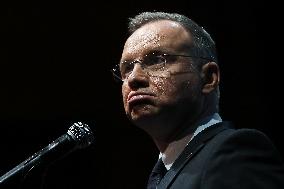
[135,99]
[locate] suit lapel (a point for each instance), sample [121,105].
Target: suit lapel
[190,150]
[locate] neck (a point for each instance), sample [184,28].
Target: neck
[183,131]
[183,135]
[169,151]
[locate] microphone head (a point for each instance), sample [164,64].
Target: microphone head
[81,134]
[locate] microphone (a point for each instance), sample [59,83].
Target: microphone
[78,136]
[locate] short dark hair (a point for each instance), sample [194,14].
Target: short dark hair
[203,45]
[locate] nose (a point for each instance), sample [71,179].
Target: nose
[138,77]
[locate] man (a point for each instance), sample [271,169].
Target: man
[170,90]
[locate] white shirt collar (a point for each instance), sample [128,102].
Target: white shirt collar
[179,145]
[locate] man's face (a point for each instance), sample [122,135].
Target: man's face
[159,104]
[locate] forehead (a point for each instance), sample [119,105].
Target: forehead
[157,35]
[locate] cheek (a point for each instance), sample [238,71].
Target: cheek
[125,92]
[161,85]
[174,88]
[164,87]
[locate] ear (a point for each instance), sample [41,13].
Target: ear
[210,76]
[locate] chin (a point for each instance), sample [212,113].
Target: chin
[143,114]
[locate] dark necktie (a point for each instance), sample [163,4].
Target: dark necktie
[156,175]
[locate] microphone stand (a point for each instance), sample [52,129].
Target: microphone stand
[78,136]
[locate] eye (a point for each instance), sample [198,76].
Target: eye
[153,59]
[126,68]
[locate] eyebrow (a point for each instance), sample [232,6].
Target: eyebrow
[158,51]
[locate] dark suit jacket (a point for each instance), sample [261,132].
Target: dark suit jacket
[221,157]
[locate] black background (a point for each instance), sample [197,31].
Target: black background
[55,70]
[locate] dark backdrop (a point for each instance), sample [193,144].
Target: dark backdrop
[55,70]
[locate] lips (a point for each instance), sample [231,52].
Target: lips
[138,95]
[135,98]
